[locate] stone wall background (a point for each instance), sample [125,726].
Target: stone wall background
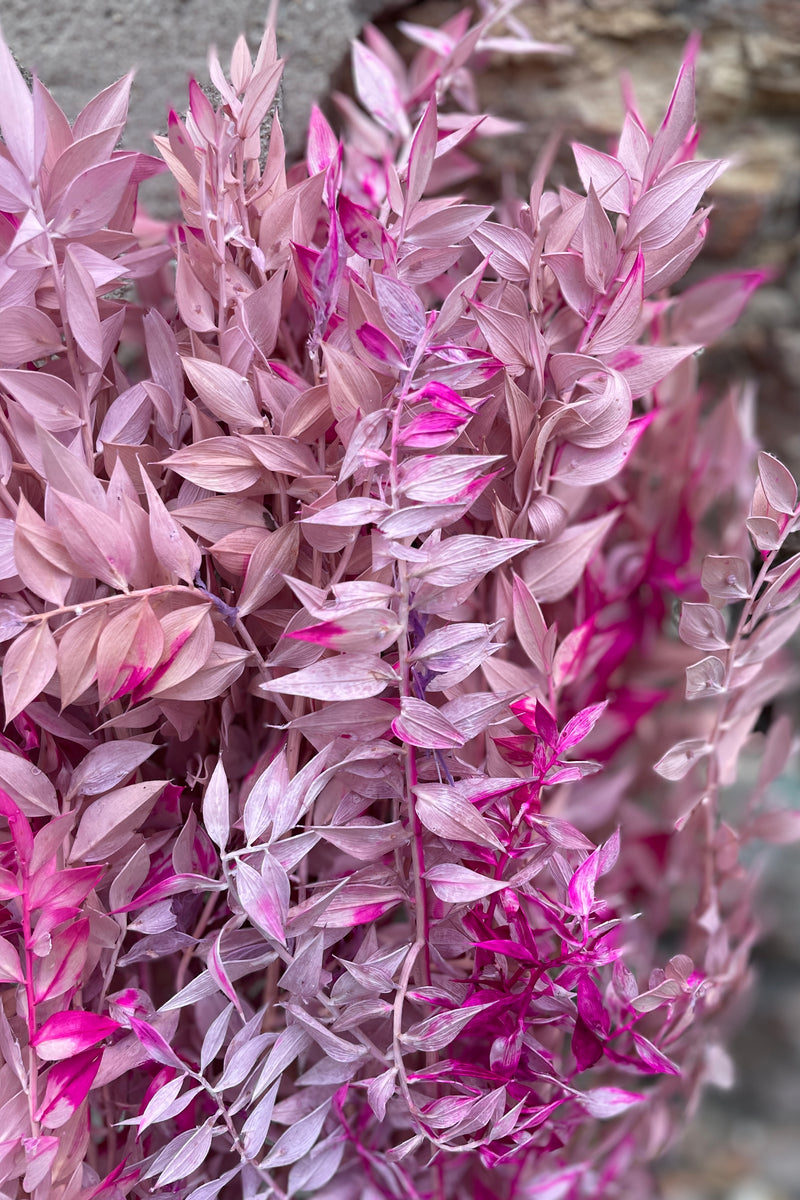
[744,1145]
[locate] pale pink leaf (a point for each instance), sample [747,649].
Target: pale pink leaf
[265,896]
[705,678]
[703,627]
[298,1139]
[184,1154]
[28,667]
[106,766]
[552,571]
[377,90]
[92,199]
[446,812]
[420,724]
[725,577]
[778,483]
[216,807]
[107,823]
[345,677]
[620,325]
[10,966]
[421,154]
[174,548]
[227,394]
[380,1091]
[678,761]
[434,1033]
[256,1127]
[456,884]
[81,309]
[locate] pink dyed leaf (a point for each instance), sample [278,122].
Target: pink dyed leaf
[705,678]
[265,896]
[456,884]
[10,966]
[401,308]
[345,677]
[606,175]
[552,571]
[620,325]
[166,1103]
[26,334]
[726,578]
[580,726]
[357,904]
[175,550]
[380,350]
[259,97]
[322,143]
[703,627]
[67,1087]
[582,885]
[642,367]
[661,213]
[93,197]
[438,479]
[67,1034]
[174,885]
[366,842]
[380,1091]
[298,1139]
[765,532]
[107,765]
[28,667]
[704,312]
[349,514]
[129,648]
[228,395]
[370,629]
[781,827]
[420,724]
[778,483]
[274,557]
[678,761]
[677,124]
[654,1059]
[157,1047]
[439,1031]
[605,1103]
[101,547]
[421,154]
[108,822]
[220,464]
[81,309]
[256,1127]
[599,244]
[216,807]
[377,90]
[184,1154]
[60,971]
[465,559]
[444,811]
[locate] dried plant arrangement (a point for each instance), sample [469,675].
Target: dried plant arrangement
[385,608]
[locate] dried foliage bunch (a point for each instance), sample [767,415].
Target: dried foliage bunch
[332,575]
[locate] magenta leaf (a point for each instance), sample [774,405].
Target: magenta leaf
[67,1087]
